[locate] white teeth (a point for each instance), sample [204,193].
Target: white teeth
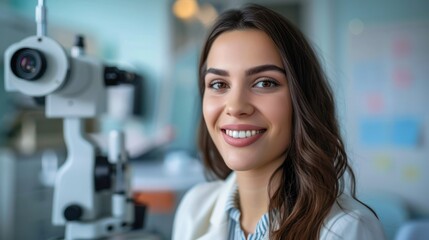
[242,134]
[234,134]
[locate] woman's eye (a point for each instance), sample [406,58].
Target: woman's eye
[266,83]
[218,85]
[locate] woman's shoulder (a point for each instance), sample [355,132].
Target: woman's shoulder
[207,193]
[202,193]
[192,218]
[350,219]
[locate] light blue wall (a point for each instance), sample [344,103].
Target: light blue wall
[397,170]
[185,113]
[372,12]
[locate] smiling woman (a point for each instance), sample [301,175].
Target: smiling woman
[246,92]
[270,134]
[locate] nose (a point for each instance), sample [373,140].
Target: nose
[238,104]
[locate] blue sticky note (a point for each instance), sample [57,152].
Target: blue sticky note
[374,132]
[405,132]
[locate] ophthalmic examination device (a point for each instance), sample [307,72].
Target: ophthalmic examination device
[92,196]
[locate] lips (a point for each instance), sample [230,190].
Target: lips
[241,135]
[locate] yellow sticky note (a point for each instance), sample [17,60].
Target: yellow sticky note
[383,163]
[411,173]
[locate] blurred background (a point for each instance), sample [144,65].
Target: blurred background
[375,53]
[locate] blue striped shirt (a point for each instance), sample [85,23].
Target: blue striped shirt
[234,228]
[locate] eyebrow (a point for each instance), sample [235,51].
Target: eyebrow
[250,71]
[264,68]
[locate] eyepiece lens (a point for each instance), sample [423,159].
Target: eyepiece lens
[29,64]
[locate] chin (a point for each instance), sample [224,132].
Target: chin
[240,165]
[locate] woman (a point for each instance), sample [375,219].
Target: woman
[269,132]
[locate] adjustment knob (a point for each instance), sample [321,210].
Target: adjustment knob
[73,212]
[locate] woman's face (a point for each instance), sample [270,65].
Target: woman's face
[246,104]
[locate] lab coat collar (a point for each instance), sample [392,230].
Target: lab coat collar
[219,219]
[219,215]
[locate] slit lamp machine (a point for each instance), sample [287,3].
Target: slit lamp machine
[92,196]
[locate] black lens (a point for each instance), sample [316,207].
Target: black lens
[29,64]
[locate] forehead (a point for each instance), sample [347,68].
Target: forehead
[243,48]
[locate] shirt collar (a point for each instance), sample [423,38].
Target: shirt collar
[232,209]
[232,205]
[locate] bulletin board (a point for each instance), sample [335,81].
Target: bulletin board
[387,115]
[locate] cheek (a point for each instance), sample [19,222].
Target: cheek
[211,111]
[279,113]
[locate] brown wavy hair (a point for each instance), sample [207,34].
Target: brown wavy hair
[312,173]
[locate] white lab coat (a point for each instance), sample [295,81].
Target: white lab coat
[201,215]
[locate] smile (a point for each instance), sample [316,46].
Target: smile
[241,136]
[242,133]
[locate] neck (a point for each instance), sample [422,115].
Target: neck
[253,189]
